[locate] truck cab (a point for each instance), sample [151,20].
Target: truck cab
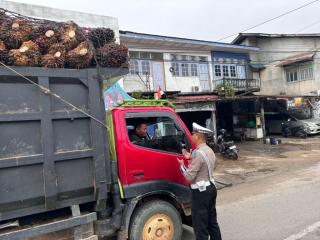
[149,172]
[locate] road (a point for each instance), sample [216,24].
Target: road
[282,206]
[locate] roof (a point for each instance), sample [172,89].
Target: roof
[242,36]
[134,39]
[296,59]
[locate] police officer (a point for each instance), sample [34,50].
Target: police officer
[203,189]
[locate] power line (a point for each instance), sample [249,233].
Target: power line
[269,20]
[48,91]
[308,26]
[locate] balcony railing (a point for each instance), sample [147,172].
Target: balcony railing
[239,84]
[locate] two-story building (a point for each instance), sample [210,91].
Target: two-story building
[289,66]
[193,69]
[183,65]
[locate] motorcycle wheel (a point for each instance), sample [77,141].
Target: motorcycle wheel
[233,155]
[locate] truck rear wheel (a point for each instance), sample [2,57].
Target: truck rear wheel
[156,220]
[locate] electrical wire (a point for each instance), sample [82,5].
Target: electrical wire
[308,26]
[270,20]
[48,91]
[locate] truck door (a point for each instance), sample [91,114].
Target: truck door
[154,158]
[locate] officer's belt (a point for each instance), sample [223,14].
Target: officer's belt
[195,186]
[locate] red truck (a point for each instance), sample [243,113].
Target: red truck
[149,174]
[74,171]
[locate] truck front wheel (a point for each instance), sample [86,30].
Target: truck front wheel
[156,220]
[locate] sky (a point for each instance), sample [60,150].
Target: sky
[198,19]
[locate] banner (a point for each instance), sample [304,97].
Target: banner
[114,96]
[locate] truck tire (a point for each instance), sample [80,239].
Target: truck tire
[156,220]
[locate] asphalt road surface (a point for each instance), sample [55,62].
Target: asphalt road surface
[284,206]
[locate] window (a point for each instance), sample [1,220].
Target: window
[292,75]
[217,70]
[133,55]
[185,69]
[186,65]
[145,67]
[233,71]
[176,69]
[145,55]
[306,73]
[162,134]
[157,56]
[228,70]
[225,69]
[134,67]
[194,69]
[142,67]
[299,72]
[203,59]
[173,57]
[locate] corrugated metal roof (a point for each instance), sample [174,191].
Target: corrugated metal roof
[191,99]
[129,38]
[296,59]
[242,36]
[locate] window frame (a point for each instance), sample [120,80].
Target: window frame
[194,69]
[228,67]
[176,70]
[142,115]
[134,66]
[137,67]
[142,67]
[185,71]
[215,71]
[303,72]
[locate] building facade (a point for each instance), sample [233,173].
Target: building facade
[183,65]
[289,63]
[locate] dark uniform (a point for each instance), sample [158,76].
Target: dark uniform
[204,193]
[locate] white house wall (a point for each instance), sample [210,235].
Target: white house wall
[132,82]
[184,84]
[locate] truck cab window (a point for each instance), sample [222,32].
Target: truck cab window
[158,133]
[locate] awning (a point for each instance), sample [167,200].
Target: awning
[257,67]
[192,99]
[296,59]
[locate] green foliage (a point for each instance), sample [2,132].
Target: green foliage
[225,90]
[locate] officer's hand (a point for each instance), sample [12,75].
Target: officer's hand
[186,154]
[181,162]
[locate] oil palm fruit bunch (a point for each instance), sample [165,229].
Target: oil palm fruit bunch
[56,56]
[4,53]
[101,36]
[27,55]
[15,31]
[81,56]
[71,35]
[46,35]
[112,55]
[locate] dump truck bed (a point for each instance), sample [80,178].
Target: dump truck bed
[51,155]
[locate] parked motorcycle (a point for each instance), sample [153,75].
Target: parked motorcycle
[294,131]
[226,149]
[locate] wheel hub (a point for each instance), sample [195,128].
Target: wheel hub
[158,227]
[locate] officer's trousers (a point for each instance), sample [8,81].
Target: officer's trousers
[204,214]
